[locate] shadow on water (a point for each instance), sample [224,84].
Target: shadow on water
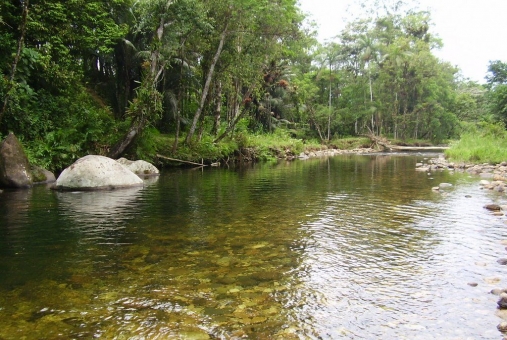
[343,247]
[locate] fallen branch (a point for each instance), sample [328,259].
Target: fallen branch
[378,141]
[180,160]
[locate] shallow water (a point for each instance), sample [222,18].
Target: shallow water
[352,247]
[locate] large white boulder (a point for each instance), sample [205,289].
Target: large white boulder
[95,173]
[140,167]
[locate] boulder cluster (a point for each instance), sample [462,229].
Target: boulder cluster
[91,172]
[95,172]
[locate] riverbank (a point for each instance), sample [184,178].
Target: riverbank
[269,147]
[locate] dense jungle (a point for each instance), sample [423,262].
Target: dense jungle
[207,80]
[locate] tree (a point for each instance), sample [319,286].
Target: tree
[497,86]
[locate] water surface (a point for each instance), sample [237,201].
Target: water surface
[352,247]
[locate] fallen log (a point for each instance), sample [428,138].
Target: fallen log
[180,160]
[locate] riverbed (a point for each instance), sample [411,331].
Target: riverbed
[352,247]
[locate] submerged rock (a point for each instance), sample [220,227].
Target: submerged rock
[445,185]
[498,291]
[96,173]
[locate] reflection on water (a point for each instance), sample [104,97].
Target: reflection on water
[353,247]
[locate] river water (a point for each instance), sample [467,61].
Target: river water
[349,247]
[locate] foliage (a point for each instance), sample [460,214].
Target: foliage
[57,145]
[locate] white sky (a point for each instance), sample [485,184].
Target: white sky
[473,31]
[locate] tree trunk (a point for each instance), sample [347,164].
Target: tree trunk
[218,109]
[179,104]
[17,57]
[205,90]
[238,116]
[119,148]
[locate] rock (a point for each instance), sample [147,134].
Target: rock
[492,207]
[40,175]
[140,167]
[502,326]
[473,284]
[502,302]
[498,291]
[95,173]
[14,166]
[503,262]
[445,185]
[423,169]
[484,182]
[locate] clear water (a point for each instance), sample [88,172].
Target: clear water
[350,247]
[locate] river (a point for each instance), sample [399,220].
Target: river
[348,247]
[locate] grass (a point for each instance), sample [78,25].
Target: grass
[486,144]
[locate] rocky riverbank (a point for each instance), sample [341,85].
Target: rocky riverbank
[333,152]
[494,177]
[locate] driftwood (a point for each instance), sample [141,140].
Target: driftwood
[386,145]
[180,160]
[418,148]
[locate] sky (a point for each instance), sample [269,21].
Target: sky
[473,31]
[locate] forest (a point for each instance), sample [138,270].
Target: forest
[202,79]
